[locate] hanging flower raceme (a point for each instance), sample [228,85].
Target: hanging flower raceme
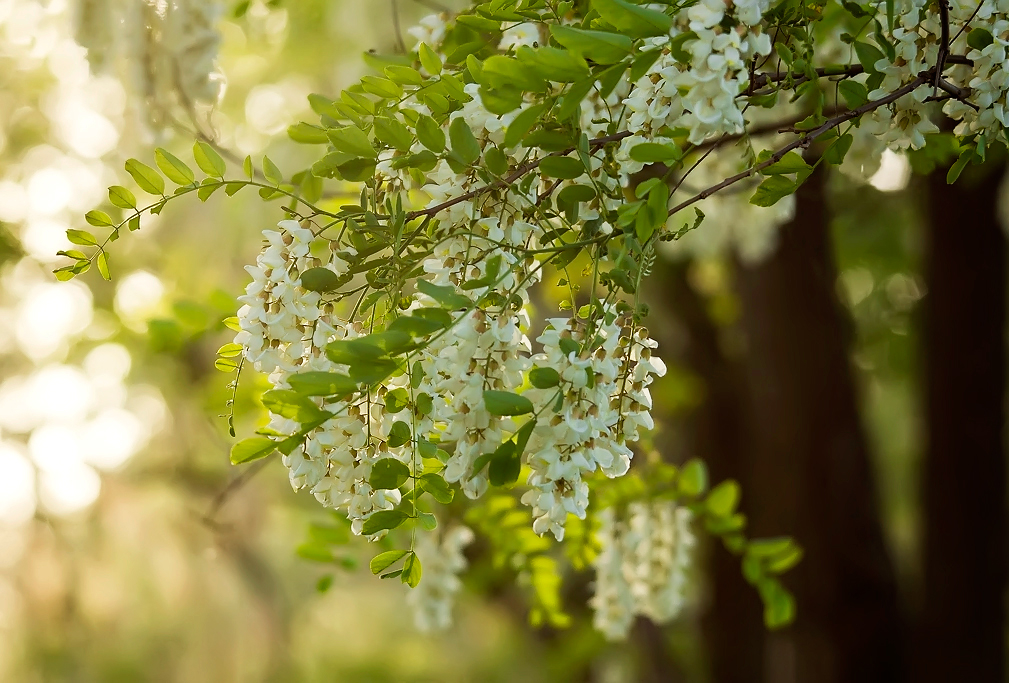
[643,565]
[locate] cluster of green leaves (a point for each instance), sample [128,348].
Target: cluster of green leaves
[126,211]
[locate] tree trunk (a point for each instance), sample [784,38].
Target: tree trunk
[809,469]
[715,432]
[962,635]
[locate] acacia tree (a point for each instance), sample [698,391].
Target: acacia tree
[531,142]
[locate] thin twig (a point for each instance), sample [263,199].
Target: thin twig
[233,487]
[515,175]
[804,141]
[760,80]
[967,23]
[940,61]
[396,27]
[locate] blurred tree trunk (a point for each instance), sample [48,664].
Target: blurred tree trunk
[715,432]
[808,469]
[962,635]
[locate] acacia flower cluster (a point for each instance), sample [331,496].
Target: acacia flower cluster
[643,565]
[432,601]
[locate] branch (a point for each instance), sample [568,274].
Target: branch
[760,80]
[805,141]
[512,177]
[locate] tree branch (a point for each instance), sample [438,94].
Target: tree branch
[804,141]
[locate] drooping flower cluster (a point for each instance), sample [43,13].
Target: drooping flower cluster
[285,329]
[167,50]
[433,599]
[642,567]
[601,401]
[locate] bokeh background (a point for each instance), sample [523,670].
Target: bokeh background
[852,381]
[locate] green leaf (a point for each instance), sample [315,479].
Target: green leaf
[209,161]
[446,295]
[292,404]
[209,187]
[403,75]
[149,180]
[103,265]
[522,124]
[315,552]
[506,403]
[381,87]
[383,561]
[854,93]
[411,570]
[399,434]
[251,449]
[81,237]
[500,71]
[567,168]
[307,134]
[99,219]
[353,141]
[427,521]
[954,171]
[634,20]
[790,163]
[505,465]
[601,47]
[769,547]
[693,479]
[225,365]
[979,38]
[643,62]
[464,144]
[723,499]
[439,489]
[771,190]
[544,378]
[417,326]
[272,173]
[522,436]
[655,153]
[247,167]
[785,561]
[779,605]
[396,400]
[393,133]
[383,519]
[173,167]
[868,55]
[838,148]
[320,279]
[430,134]
[388,473]
[677,47]
[554,64]
[322,384]
[429,59]
[122,197]
[231,350]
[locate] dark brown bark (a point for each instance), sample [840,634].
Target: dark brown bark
[809,467]
[962,635]
[715,432]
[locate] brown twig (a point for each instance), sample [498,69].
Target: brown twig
[804,141]
[760,80]
[231,489]
[515,175]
